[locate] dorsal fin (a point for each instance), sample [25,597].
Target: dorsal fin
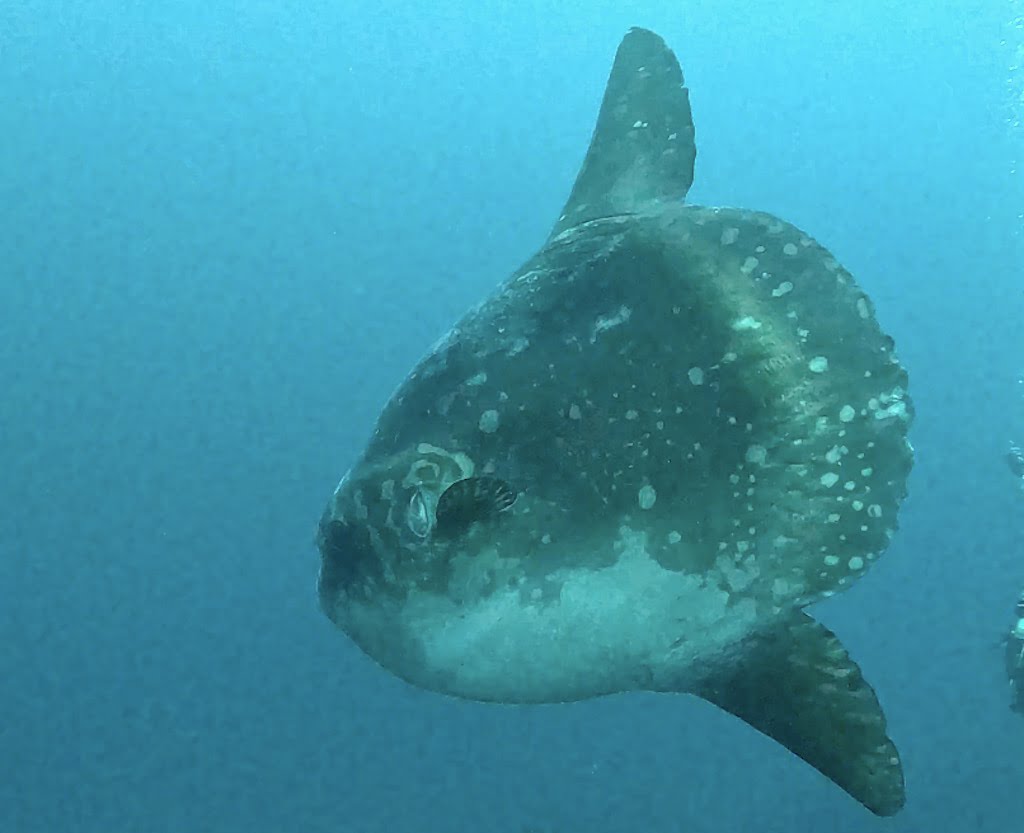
[642,150]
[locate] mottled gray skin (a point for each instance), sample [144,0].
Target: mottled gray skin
[707,431]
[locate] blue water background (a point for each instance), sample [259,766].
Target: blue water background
[227,230]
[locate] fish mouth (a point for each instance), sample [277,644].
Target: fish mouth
[348,562]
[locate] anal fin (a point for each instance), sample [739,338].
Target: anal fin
[800,687]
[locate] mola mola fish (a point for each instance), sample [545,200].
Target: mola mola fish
[637,462]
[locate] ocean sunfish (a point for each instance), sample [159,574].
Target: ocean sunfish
[636,463]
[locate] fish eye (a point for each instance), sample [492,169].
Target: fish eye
[418,516]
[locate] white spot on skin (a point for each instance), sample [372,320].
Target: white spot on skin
[606,322]
[730,236]
[518,346]
[856,563]
[489,421]
[479,379]
[846,413]
[696,376]
[862,308]
[829,479]
[819,364]
[783,288]
[749,265]
[896,409]
[574,411]
[831,560]
[789,249]
[646,496]
[875,511]
[631,414]
[747,322]
[674,537]
[756,455]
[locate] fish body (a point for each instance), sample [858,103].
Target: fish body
[636,463]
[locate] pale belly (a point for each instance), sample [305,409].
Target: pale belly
[631,625]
